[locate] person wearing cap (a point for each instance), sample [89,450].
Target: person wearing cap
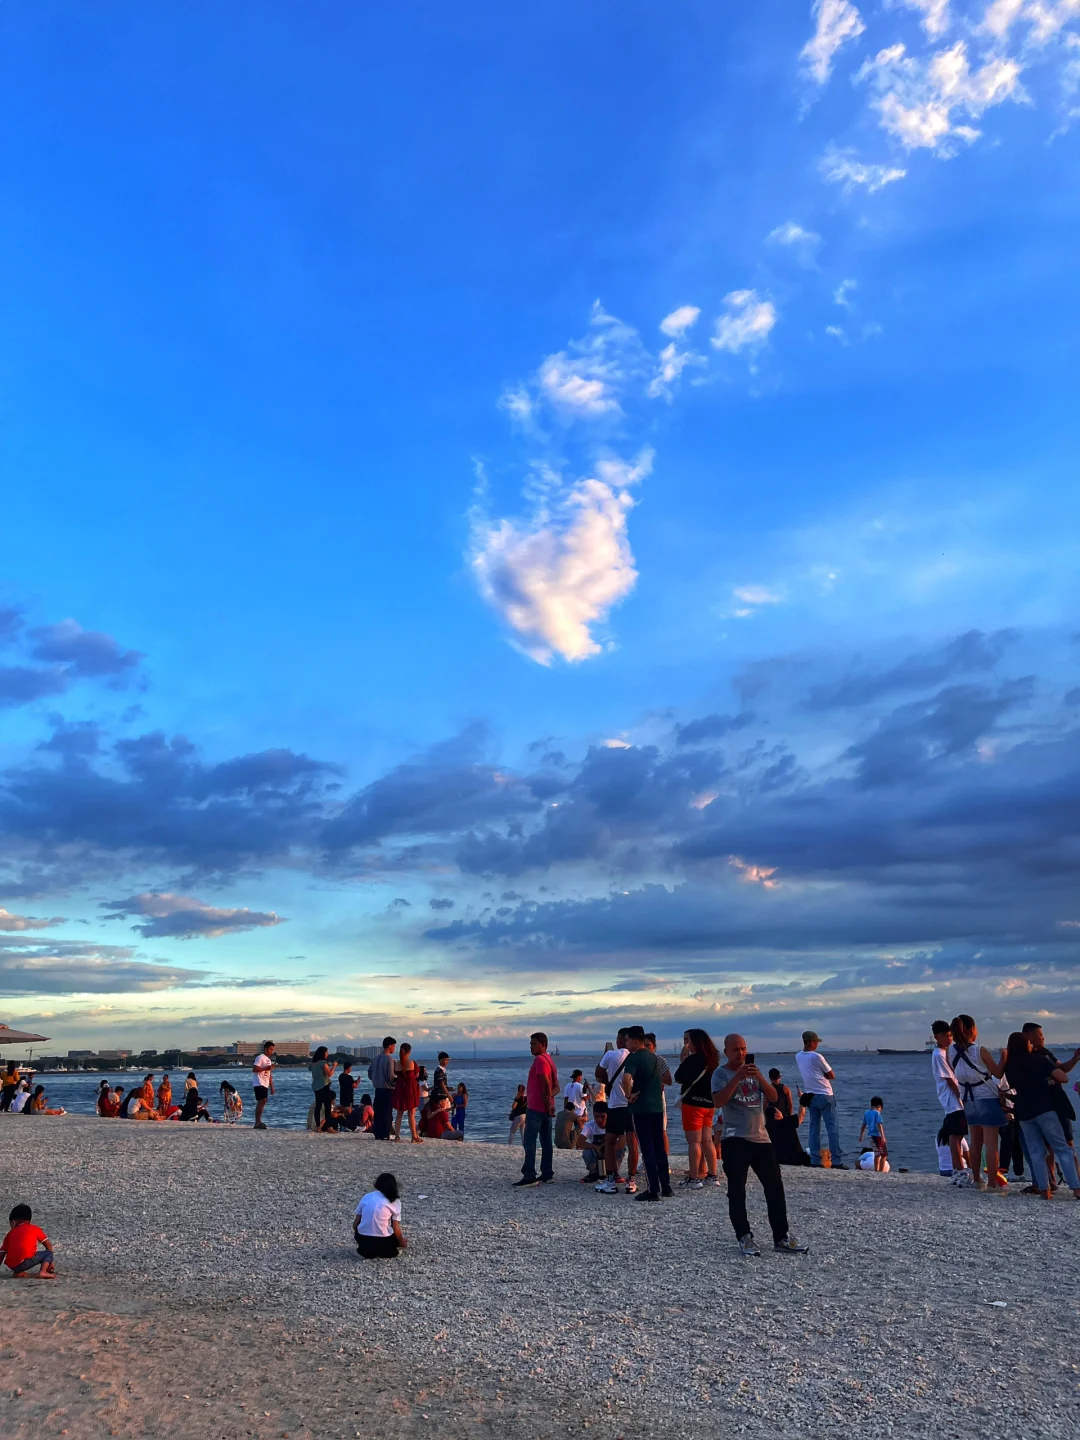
[817,1077]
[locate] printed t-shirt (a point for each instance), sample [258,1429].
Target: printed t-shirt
[942,1072]
[592,1131]
[1031,1079]
[644,1070]
[22,1241]
[609,1063]
[872,1120]
[543,1067]
[575,1093]
[377,1214]
[260,1070]
[744,1114]
[812,1067]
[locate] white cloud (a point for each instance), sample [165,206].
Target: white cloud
[8,921]
[518,404]
[920,100]
[1044,18]
[837,23]
[680,320]
[935,15]
[842,291]
[568,389]
[792,234]
[553,577]
[747,321]
[618,473]
[837,333]
[670,364]
[757,595]
[841,167]
[615,744]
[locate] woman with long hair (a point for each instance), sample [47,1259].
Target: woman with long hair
[694,1079]
[406,1092]
[322,1072]
[979,1074]
[1033,1077]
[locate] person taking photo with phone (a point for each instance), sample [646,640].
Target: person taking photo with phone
[740,1090]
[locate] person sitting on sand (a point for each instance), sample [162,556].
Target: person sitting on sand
[367,1114]
[194,1107]
[22,1098]
[591,1140]
[517,1115]
[26,1247]
[377,1222]
[566,1128]
[39,1104]
[231,1103]
[782,1125]
[104,1099]
[118,1100]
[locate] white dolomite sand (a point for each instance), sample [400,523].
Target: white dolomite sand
[538,1312]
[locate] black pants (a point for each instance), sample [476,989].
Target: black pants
[7,1097]
[650,1134]
[1010,1150]
[324,1100]
[377,1247]
[739,1157]
[383,1105]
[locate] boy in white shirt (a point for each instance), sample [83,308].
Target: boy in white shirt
[592,1140]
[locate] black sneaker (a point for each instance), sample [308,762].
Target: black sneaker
[524,1184]
[841,1167]
[668,1193]
[648,1195]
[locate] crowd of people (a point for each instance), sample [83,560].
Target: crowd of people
[402,1094]
[1004,1106]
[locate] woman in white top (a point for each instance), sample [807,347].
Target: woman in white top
[979,1074]
[377,1222]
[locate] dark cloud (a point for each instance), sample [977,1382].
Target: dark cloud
[11,621]
[969,653]
[441,904]
[89,654]
[185,918]
[69,968]
[22,684]
[711,727]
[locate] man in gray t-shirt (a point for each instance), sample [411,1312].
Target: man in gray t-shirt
[739,1089]
[381,1073]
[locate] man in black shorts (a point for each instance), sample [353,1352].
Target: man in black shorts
[620,1122]
[262,1073]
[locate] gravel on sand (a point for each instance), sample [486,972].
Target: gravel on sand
[556,1310]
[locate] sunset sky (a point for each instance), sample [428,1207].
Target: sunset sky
[523,517]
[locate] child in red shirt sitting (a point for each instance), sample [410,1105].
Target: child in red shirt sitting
[19,1248]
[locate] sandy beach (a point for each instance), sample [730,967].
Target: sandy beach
[209,1287]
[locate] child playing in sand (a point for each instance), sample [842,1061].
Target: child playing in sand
[377,1222]
[19,1247]
[874,1131]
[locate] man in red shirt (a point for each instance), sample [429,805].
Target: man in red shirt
[19,1247]
[540,1089]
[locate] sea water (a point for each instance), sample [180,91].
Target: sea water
[912,1115]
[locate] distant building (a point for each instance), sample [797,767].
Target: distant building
[82,1054]
[251,1048]
[114,1054]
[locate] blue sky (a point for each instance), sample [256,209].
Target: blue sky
[539,518]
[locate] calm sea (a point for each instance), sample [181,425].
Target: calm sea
[912,1114]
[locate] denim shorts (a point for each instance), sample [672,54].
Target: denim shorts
[984,1112]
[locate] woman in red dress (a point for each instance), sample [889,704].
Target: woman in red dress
[406,1092]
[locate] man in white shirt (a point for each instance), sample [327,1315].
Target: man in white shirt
[817,1077]
[620,1122]
[948,1094]
[262,1074]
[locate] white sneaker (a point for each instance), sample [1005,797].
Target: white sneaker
[747,1246]
[606,1187]
[695,1184]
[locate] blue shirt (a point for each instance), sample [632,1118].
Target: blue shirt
[872,1121]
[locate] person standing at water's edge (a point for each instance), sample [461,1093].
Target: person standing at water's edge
[817,1077]
[948,1093]
[739,1089]
[620,1122]
[540,1091]
[347,1087]
[643,1086]
[263,1074]
[381,1075]
[322,1074]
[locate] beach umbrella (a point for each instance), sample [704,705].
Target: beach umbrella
[19,1037]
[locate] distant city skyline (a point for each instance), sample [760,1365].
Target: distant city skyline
[531,524]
